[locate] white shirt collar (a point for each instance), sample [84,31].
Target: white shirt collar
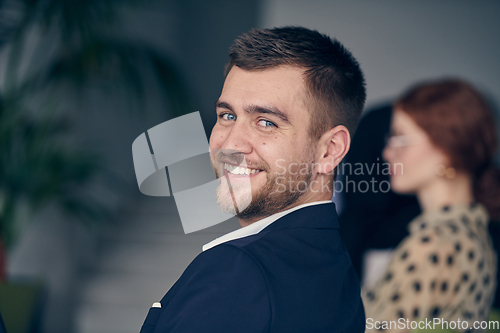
[258,226]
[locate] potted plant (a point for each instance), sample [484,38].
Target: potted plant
[37,166]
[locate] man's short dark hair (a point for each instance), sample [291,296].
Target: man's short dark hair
[335,82]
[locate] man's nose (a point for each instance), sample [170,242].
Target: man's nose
[238,139]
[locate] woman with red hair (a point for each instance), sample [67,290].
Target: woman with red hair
[441,149]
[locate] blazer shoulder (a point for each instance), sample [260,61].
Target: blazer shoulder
[225,256]
[217,288]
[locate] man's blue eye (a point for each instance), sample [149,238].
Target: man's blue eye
[228,116]
[267,123]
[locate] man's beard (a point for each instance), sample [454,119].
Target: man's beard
[280,191]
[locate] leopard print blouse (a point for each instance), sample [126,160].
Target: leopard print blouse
[445,268]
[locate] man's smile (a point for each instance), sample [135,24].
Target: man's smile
[240,170]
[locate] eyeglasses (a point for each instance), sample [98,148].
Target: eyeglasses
[399,141]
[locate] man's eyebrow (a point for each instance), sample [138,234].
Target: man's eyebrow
[223,105]
[267,110]
[256,109]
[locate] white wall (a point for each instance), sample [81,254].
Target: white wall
[401,42]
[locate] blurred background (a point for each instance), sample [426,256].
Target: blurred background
[81,249]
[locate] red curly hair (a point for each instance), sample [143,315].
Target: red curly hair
[460,122]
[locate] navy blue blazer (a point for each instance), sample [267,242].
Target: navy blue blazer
[293,276]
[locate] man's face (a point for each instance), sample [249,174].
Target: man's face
[262,126]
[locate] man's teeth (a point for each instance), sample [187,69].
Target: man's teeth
[238,170]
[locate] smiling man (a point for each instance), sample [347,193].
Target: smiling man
[290,103]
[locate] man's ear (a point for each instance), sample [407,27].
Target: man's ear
[333,146]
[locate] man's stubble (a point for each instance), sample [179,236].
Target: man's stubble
[280,191]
